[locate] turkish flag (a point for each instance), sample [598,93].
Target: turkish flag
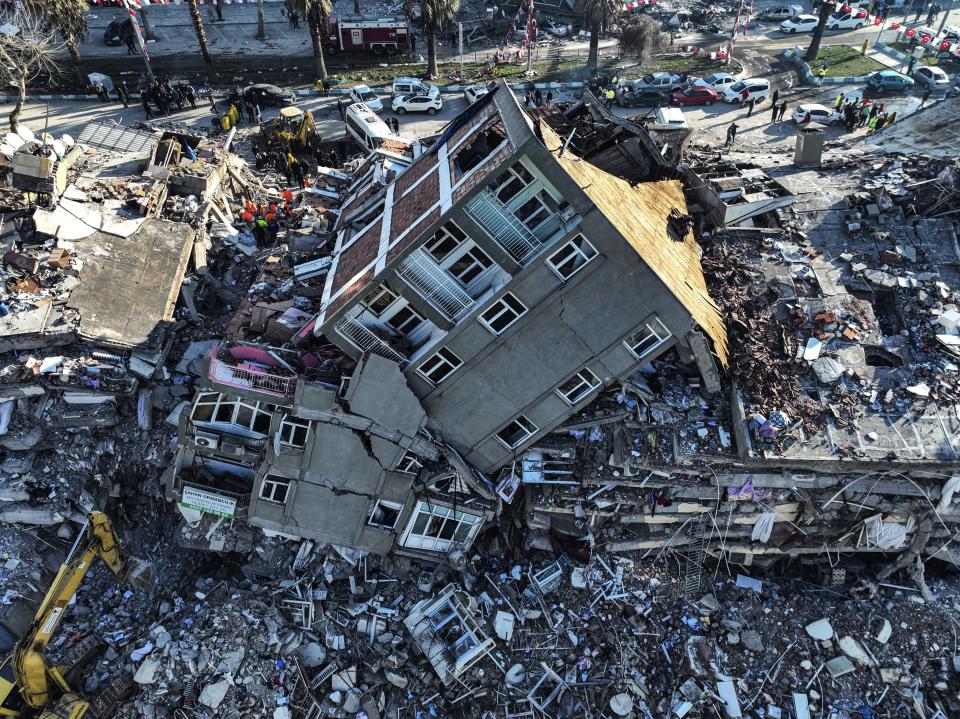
[945,45]
[877,21]
[925,39]
[911,32]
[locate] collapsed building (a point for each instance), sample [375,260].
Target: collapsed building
[435,430]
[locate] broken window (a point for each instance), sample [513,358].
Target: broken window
[409,464]
[578,386]
[502,313]
[642,343]
[293,432]
[445,240]
[571,257]
[275,489]
[515,433]
[440,365]
[380,299]
[535,211]
[405,320]
[482,146]
[384,514]
[216,408]
[512,182]
[367,217]
[436,528]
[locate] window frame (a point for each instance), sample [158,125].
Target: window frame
[275,481]
[405,462]
[237,405]
[437,518]
[394,506]
[651,332]
[584,383]
[539,197]
[405,327]
[514,175]
[504,303]
[519,420]
[573,250]
[292,424]
[380,291]
[437,355]
[445,233]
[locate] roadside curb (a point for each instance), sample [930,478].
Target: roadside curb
[306,92]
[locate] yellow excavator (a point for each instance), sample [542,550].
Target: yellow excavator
[29,686]
[294,129]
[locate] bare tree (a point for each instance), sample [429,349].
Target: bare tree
[643,37]
[29,50]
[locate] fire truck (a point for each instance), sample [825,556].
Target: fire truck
[375,35]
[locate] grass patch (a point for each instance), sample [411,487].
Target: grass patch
[845,61]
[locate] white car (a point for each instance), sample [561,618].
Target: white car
[951,33]
[756,87]
[660,81]
[472,93]
[402,104]
[717,81]
[362,93]
[800,23]
[818,113]
[846,21]
[931,76]
[557,29]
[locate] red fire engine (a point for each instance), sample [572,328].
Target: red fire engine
[380,36]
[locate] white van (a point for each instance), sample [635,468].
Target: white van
[668,117]
[365,126]
[414,86]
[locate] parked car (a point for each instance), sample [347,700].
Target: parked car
[627,96]
[472,93]
[931,76]
[818,113]
[756,87]
[660,81]
[888,81]
[846,21]
[694,96]
[556,29]
[799,23]
[402,104]
[118,31]
[717,81]
[669,117]
[413,85]
[264,95]
[951,33]
[362,93]
[779,12]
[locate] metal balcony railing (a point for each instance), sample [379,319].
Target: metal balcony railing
[502,226]
[366,341]
[423,274]
[250,377]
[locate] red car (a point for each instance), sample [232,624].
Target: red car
[694,96]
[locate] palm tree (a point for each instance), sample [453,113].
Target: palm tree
[69,19]
[436,15]
[823,16]
[598,15]
[202,38]
[317,15]
[261,27]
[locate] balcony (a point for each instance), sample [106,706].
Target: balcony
[519,242]
[366,341]
[423,274]
[249,374]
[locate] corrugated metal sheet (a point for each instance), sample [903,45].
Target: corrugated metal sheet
[111,136]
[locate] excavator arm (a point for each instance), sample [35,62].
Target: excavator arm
[32,674]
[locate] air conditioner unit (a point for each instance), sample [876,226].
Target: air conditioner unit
[234,449]
[204,439]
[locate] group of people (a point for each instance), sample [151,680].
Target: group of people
[265,218]
[861,112]
[535,97]
[165,96]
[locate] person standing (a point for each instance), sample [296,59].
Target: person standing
[731,135]
[774,110]
[821,73]
[549,97]
[924,97]
[131,48]
[219,8]
[750,103]
[839,102]
[395,124]
[146,105]
[775,98]
[783,109]
[123,94]
[340,106]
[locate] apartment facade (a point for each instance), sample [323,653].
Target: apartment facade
[511,281]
